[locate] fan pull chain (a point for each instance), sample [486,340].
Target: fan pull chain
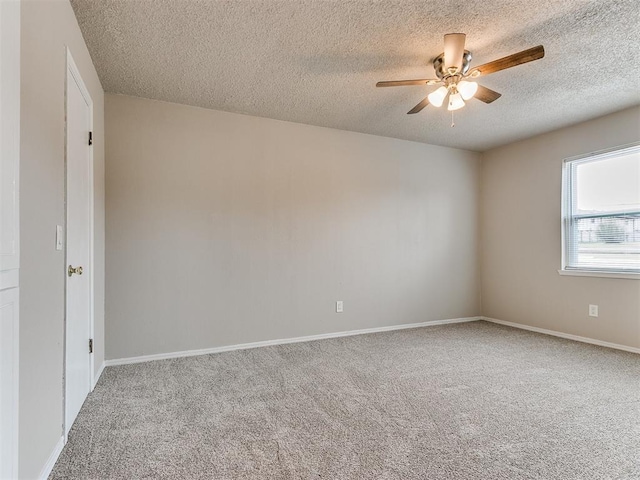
[453,124]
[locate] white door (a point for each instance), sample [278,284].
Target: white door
[78,274]
[8,377]
[9,234]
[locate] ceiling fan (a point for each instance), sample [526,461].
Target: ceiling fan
[453,71]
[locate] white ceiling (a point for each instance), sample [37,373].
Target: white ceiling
[317,61]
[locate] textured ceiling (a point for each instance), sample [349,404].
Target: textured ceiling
[317,61]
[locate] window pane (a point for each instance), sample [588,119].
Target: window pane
[609,185]
[609,242]
[603,220]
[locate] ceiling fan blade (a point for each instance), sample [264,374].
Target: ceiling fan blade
[486,94]
[453,50]
[419,107]
[402,83]
[525,56]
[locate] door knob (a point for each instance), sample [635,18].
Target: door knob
[77,270]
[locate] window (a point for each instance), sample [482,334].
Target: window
[601,214]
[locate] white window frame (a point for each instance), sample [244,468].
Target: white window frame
[567,218]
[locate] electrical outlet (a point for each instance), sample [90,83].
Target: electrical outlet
[593,310]
[339,306]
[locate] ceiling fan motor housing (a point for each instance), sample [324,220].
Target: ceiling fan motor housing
[442,73]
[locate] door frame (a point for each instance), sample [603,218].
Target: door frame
[73,75]
[10,29]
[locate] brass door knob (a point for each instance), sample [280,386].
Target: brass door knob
[77,270]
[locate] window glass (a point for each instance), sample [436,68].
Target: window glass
[602,212]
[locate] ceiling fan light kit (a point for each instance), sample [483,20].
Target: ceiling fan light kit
[467,89]
[455,102]
[453,70]
[436,98]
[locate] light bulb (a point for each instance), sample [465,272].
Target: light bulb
[467,89]
[437,97]
[455,102]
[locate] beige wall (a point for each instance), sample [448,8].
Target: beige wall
[225,229]
[47,27]
[521,251]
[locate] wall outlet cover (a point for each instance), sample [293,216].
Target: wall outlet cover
[593,310]
[339,306]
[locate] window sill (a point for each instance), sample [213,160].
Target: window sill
[601,274]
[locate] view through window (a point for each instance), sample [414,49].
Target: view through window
[602,212]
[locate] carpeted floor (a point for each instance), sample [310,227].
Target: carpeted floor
[465,401]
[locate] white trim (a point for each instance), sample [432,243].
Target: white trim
[72,69]
[599,273]
[10,388]
[282,341]
[75,72]
[51,461]
[9,279]
[10,258]
[10,121]
[568,189]
[605,152]
[568,336]
[565,209]
[97,377]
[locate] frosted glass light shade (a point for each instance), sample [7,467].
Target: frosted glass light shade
[467,89]
[455,102]
[436,98]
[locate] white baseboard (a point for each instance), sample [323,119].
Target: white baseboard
[96,377]
[568,336]
[51,461]
[267,343]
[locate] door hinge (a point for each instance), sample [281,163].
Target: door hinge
[91,345]
[90,138]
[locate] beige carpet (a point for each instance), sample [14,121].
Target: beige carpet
[465,401]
